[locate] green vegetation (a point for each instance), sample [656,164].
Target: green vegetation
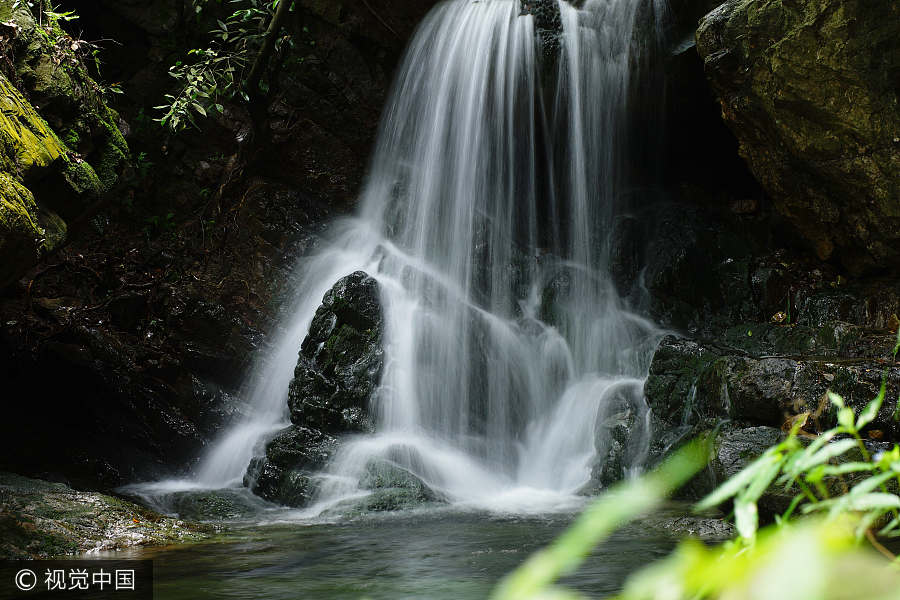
[821,547]
[232,65]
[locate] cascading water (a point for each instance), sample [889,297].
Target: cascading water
[486,219]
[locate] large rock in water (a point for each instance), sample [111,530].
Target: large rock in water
[810,90]
[283,474]
[337,373]
[340,359]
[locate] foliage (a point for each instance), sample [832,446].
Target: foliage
[213,75]
[845,493]
[834,474]
[809,561]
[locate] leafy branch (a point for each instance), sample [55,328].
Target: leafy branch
[232,66]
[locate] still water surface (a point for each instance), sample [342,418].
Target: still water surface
[429,555]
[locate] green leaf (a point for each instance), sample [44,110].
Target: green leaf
[870,484]
[816,475]
[891,526]
[875,500]
[825,454]
[836,399]
[762,481]
[871,410]
[741,480]
[746,519]
[848,467]
[845,418]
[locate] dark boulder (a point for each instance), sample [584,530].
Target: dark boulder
[283,475]
[810,90]
[340,360]
[337,373]
[622,436]
[547,24]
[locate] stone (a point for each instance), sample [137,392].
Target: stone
[690,383]
[283,474]
[42,519]
[809,89]
[340,360]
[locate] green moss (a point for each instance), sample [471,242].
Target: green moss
[82,177]
[55,78]
[21,236]
[27,141]
[22,540]
[110,156]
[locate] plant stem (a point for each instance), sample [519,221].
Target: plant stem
[262,58]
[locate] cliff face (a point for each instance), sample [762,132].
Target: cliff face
[60,145]
[136,333]
[810,89]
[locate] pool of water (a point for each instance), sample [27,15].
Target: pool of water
[433,554]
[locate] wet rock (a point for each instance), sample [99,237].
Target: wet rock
[283,474]
[39,519]
[690,383]
[625,253]
[697,265]
[737,448]
[809,89]
[337,373]
[734,449]
[393,488]
[675,375]
[708,529]
[340,360]
[547,24]
[390,499]
[621,432]
[214,505]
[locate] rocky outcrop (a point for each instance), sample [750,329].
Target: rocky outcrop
[707,269]
[547,25]
[51,175]
[810,90]
[40,519]
[690,383]
[284,474]
[337,373]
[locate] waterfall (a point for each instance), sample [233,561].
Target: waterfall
[487,216]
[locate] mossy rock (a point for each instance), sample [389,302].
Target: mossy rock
[21,237]
[60,147]
[29,147]
[61,89]
[41,519]
[284,473]
[809,89]
[340,360]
